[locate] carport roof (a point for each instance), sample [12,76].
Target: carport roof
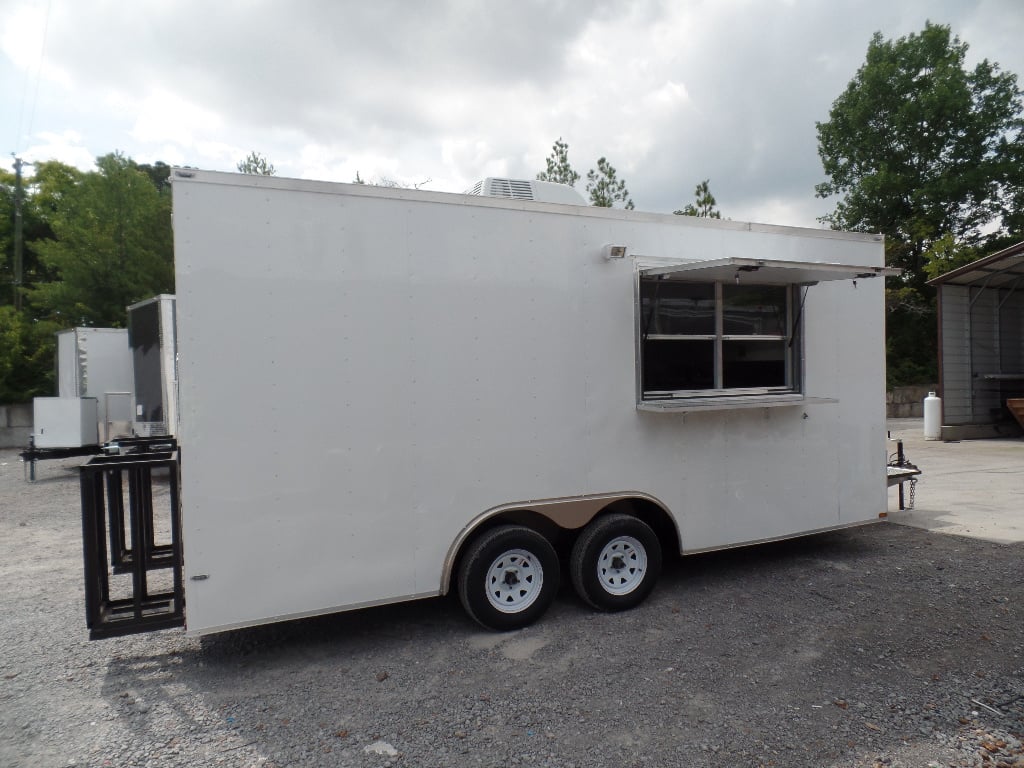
[999,270]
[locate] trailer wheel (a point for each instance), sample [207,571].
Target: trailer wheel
[508,577]
[615,562]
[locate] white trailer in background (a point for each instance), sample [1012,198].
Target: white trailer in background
[151,339]
[390,394]
[95,362]
[65,422]
[94,380]
[93,403]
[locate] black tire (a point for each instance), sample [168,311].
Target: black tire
[531,578]
[615,562]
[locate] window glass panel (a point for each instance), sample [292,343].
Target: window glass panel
[753,364]
[691,340]
[750,310]
[678,308]
[675,364]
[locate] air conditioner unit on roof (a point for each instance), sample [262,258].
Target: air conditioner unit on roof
[527,189]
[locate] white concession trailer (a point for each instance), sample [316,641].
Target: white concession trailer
[389,394]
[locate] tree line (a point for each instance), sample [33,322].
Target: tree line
[929,152]
[918,147]
[94,242]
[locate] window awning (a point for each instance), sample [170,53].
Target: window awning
[762,271]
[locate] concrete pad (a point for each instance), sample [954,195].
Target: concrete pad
[967,488]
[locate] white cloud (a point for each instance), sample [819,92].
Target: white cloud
[671,95]
[66,146]
[23,42]
[783,211]
[163,116]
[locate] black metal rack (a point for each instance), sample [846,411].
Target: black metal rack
[135,547]
[32,455]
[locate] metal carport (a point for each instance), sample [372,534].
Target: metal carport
[981,344]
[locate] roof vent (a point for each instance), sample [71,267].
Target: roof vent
[527,189]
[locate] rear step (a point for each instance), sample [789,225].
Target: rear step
[145,542]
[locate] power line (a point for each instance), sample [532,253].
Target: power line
[39,70]
[21,133]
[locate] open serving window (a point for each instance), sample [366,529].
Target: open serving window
[726,333]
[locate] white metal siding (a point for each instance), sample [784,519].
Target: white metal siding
[956,355]
[92,362]
[400,364]
[984,354]
[978,338]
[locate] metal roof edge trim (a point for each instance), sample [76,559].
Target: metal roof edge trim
[197,175]
[984,261]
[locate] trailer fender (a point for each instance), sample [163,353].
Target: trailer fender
[566,513]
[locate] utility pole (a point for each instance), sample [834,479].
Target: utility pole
[18,259]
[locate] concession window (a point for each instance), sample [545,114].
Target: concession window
[727,333]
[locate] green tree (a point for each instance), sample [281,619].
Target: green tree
[931,154]
[704,204]
[94,243]
[946,254]
[27,349]
[559,170]
[27,345]
[159,173]
[918,146]
[605,188]
[26,342]
[34,228]
[256,165]
[6,236]
[111,243]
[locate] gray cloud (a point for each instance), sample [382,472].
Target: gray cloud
[670,92]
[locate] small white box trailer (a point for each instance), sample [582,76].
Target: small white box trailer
[96,362]
[65,422]
[390,394]
[93,368]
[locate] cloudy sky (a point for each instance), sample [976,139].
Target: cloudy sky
[444,92]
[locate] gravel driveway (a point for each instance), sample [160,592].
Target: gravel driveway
[881,646]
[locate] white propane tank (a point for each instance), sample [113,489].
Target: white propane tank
[932,417]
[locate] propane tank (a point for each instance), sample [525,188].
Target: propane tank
[932,417]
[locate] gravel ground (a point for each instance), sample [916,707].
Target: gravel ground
[881,646]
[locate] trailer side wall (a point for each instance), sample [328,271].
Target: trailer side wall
[363,372]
